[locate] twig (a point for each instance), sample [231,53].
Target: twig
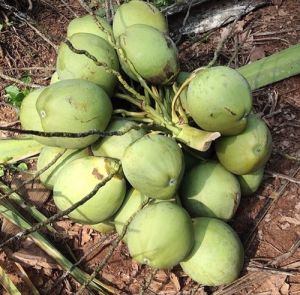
[30,69]
[11,79]
[148,281]
[286,255]
[225,38]
[59,215]
[282,176]
[69,8]
[287,156]
[85,6]
[41,35]
[36,175]
[87,253]
[271,202]
[69,134]
[110,253]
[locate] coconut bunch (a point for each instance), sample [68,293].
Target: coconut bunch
[157,179]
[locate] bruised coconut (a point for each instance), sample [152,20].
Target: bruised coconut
[219,99]
[250,182]
[160,235]
[217,256]
[48,154]
[154,165]
[152,54]
[115,146]
[79,178]
[209,190]
[246,152]
[74,106]
[71,65]
[88,24]
[138,12]
[29,116]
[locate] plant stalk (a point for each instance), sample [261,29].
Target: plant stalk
[273,68]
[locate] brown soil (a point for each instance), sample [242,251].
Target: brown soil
[268,222]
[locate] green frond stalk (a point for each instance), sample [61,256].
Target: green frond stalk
[10,213]
[274,68]
[7,283]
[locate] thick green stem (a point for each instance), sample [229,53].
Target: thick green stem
[271,69]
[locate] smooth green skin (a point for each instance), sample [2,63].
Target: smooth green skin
[71,65]
[78,178]
[247,152]
[132,203]
[250,182]
[219,99]
[74,106]
[104,227]
[153,54]
[54,78]
[48,153]
[115,146]
[209,190]
[160,235]
[29,117]
[218,255]
[87,24]
[154,165]
[138,12]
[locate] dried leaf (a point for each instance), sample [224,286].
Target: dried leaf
[290,220]
[284,290]
[34,191]
[257,53]
[31,255]
[175,281]
[9,228]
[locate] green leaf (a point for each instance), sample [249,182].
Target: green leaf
[26,78]
[12,91]
[22,167]
[15,95]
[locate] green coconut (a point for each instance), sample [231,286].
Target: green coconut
[74,106]
[71,65]
[152,54]
[160,235]
[54,78]
[154,165]
[29,116]
[219,99]
[250,182]
[48,153]
[138,12]
[247,152]
[78,178]
[217,256]
[209,190]
[88,24]
[104,227]
[115,146]
[133,203]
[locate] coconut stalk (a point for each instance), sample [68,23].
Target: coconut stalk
[11,214]
[274,68]
[7,283]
